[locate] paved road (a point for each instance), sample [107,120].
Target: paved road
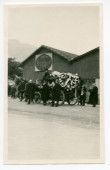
[38,132]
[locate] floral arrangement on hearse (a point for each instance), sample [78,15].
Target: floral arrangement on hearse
[67,80]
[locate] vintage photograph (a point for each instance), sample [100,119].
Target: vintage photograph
[54,95]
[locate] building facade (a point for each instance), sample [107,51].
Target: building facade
[86,65]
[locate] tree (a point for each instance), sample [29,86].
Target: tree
[13,68]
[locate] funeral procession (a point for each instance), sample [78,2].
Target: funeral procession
[54,77]
[53,105]
[54,84]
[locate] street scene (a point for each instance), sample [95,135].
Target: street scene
[37,132]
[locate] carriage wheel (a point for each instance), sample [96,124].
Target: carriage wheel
[37,97]
[73,101]
[62,97]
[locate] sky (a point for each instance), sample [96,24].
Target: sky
[70,28]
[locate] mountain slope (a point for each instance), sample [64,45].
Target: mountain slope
[18,50]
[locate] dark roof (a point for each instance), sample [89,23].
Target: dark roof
[82,55]
[68,56]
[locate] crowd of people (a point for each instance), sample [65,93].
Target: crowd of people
[29,88]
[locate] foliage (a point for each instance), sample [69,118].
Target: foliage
[13,68]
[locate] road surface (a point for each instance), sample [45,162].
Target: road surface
[45,133]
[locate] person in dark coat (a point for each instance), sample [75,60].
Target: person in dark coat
[56,93]
[30,91]
[45,92]
[94,95]
[46,75]
[83,96]
[79,93]
[26,96]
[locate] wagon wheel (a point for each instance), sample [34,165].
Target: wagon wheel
[62,97]
[37,97]
[73,101]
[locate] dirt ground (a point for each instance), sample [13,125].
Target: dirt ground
[45,133]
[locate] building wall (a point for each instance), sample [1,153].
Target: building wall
[87,66]
[88,69]
[59,64]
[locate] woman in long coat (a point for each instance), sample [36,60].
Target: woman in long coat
[94,95]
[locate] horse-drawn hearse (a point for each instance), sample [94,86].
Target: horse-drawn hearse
[69,88]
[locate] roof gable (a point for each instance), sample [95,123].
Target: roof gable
[66,55]
[82,55]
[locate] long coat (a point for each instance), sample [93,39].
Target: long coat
[45,92]
[94,95]
[21,86]
[13,90]
[56,92]
[30,90]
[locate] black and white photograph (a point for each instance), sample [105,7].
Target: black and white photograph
[54,95]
